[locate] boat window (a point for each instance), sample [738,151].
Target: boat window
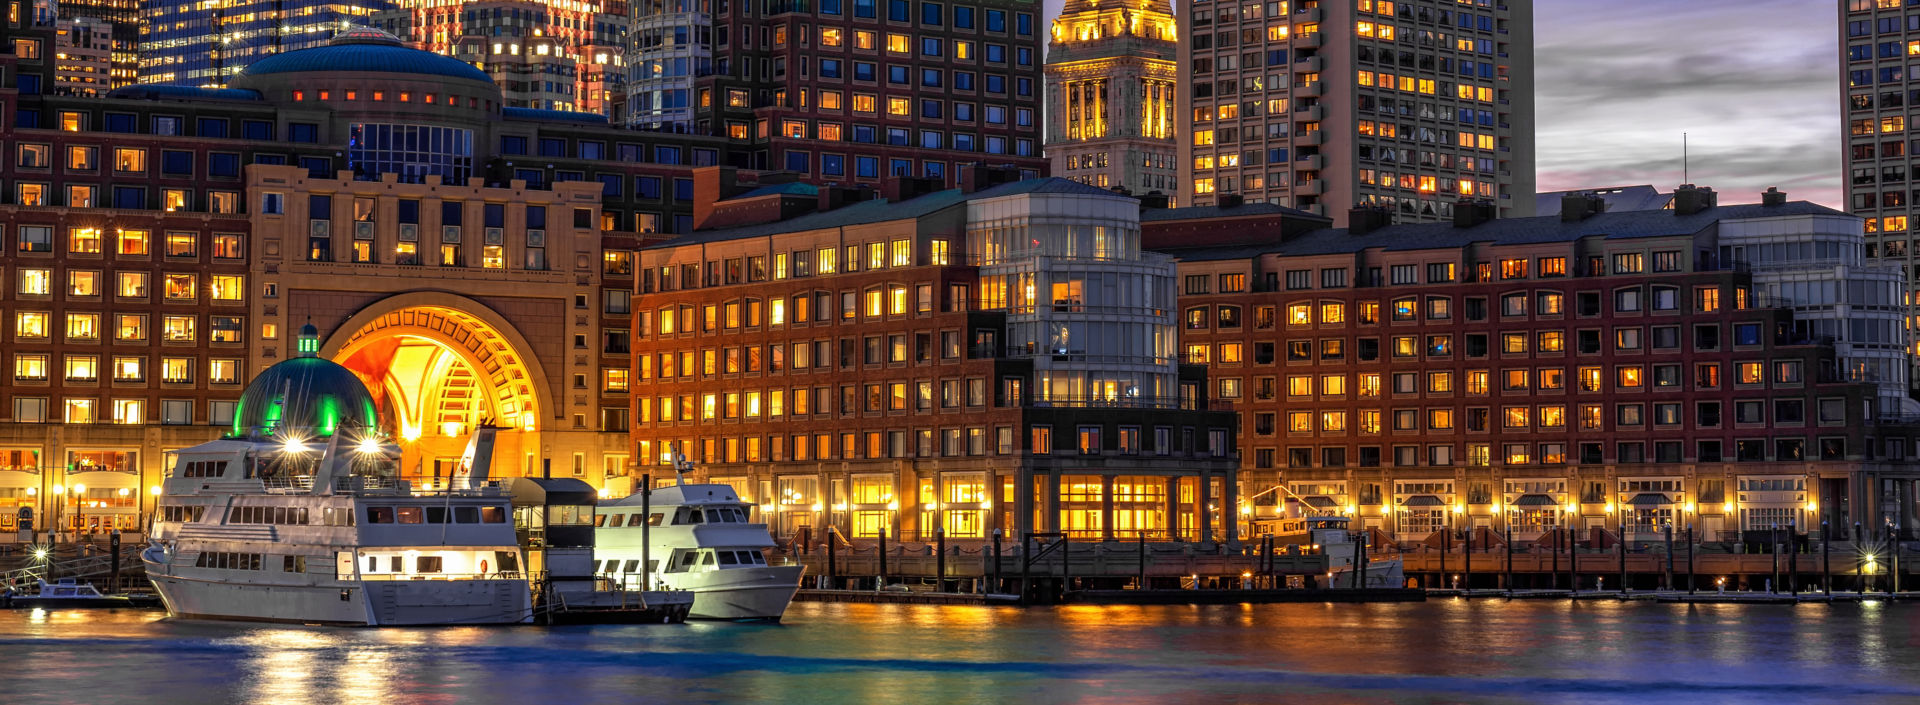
[694,517]
[373,564]
[706,558]
[397,565]
[653,566]
[601,520]
[509,560]
[654,518]
[494,514]
[436,515]
[727,558]
[379,515]
[616,520]
[631,565]
[466,515]
[409,515]
[427,564]
[718,516]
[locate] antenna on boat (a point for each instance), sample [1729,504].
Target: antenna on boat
[681,466]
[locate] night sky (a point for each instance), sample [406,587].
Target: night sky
[1754,83]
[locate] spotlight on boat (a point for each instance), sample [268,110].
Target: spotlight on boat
[39,554]
[369,445]
[294,446]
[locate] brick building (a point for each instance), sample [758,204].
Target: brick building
[1000,359]
[1579,370]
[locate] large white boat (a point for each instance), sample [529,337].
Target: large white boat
[298,515]
[697,538]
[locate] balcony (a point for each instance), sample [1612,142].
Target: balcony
[1311,138]
[1313,113]
[1311,162]
[1311,64]
[1307,40]
[1310,187]
[1311,14]
[1309,89]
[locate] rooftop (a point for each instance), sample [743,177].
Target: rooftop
[1506,231]
[370,50]
[1643,197]
[1150,215]
[878,210]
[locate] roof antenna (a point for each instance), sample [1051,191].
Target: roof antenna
[1686,172]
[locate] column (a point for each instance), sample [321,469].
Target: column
[1173,508]
[1106,507]
[1230,505]
[1022,504]
[1052,520]
[1203,491]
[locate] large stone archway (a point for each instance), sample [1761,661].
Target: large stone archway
[439,366]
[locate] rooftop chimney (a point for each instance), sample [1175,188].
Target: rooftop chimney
[1575,207]
[1690,199]
[1773,197]
[980,177]
[907,188]
[832,197]
[1153,199]
[1365,219]
[1229,200]
[1468,213]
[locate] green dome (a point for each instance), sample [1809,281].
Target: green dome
[307,396]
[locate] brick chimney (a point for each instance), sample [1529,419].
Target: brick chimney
[1575,207]
[907,188]
[980,177]
[1153,199]
[1469,213]
[1773,197]
[711,184]
[832,197]
[1365,219]
[1690,199]
[1229,200]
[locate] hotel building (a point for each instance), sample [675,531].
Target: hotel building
[1581,370]
[1878,38]
[1113,84]
[993,358]
[1409,105]
[207,43]
[474,262]
[546,54]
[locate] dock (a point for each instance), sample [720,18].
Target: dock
[905,597]
[1238,597]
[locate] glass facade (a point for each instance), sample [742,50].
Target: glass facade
[412,151]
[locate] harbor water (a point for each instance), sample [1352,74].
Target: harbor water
[1444,651]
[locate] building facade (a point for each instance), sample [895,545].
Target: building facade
[1626,371]
[1408,105]
[208,43]
[998,360]
[860,92]
[1876,40]
[473,262]
[546,55]
[1113,83]
[83,55]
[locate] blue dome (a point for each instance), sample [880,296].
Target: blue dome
[366,49]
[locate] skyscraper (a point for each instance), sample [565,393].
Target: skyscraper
[856,92]
[207,43]
[546,54]
[1111,92]
[1411,105]
[1877,40]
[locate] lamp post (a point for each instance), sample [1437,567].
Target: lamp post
[1467,555]
[1446,544]
[80,510]
[1826,558]
[1621,523]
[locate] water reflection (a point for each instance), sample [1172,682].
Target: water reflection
[1442,651]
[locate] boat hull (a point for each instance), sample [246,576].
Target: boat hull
[364,603]
[739,594]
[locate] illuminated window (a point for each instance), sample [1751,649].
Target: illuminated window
[831,36]
[129,368]
[180,287]
[83,241]
[30,367]
[129,160]
[83,282]
[77,410]
[1631,377]
[83,326]
[31,324]
[82,368]
[229,287]
[223,371]
[176,370]
[177,329]
[130,327]
[899,106]
[898,43]
[130,285]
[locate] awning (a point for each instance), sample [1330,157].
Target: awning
[1535,500]
[1649,499]
[1321,501]
[1423,500]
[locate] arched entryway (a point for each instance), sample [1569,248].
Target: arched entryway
[439,366]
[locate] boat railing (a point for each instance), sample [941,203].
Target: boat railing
[296,483]
[497,575]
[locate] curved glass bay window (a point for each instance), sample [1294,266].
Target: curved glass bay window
[1094,313]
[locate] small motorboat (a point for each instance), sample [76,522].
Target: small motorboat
[66,593]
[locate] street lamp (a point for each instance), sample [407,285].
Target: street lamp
[79,508]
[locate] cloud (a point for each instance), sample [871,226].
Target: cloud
[1754,84]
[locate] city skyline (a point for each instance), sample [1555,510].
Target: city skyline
[1605,49]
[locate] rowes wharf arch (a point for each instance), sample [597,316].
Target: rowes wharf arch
[439,366]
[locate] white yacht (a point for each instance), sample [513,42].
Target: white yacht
[698,539]
[297,515]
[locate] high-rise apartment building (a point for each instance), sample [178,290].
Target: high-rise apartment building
[545,54]
[1410,105]
[1111,89]
[82,53]
[208,43]
[123,16]
[1878,38]
[856,92]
